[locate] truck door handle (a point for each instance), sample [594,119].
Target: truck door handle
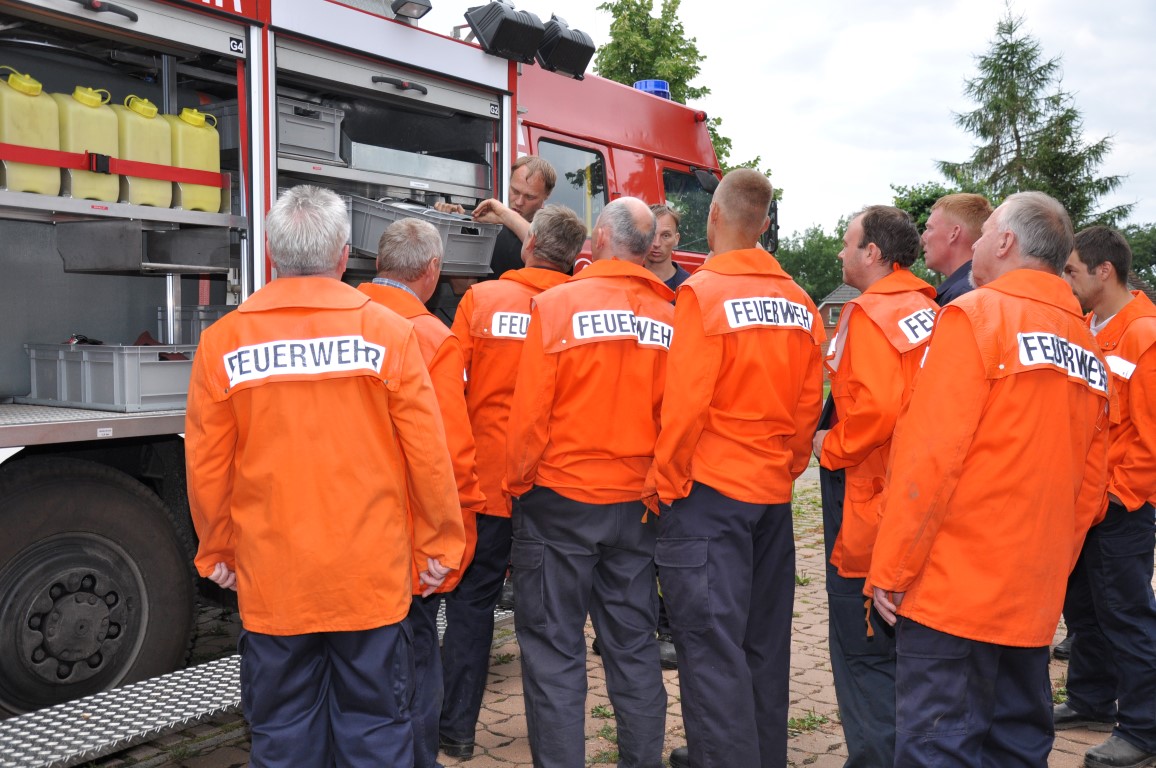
[99,6]
[396,82]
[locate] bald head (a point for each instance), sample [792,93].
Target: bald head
[624,230]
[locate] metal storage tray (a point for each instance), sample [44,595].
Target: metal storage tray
[468,245]
[109,377]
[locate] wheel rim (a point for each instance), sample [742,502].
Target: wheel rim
[79,606]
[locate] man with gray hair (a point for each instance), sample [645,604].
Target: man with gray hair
[409,257]
[491,325]
[583,424]
[987,507]
[310,415]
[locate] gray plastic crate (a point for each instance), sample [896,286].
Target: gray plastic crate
[468,245]
[192,320]
[228,126]
[109,377]
[309,130]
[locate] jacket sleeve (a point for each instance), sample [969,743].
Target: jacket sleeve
[1133,478]
[438,530]
[809,409]
[870,393]
[530,410]
[1092,497]
[928,452]
[692,370]
[461,329]
[210,445]
[447,372]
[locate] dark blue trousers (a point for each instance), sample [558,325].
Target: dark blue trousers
[469,633]
[328,699]
[1111,611]
[728,575]
[967,704]
[863,667]
[426,704]
[569,559]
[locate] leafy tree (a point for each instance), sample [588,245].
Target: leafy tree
[812,258]
[1030,132]
[1142,238]
[918,199]
[644,47]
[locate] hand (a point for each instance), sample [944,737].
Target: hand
[433,576]
[817,442]
[887,603]
[445,207]
[223,577]
[491,211]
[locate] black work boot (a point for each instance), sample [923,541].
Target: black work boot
[1065,718]
[1118,753]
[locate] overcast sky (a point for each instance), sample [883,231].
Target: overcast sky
[842,98]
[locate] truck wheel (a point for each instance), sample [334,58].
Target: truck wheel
[96,587]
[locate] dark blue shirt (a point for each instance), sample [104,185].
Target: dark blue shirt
[680,275]
[957,284]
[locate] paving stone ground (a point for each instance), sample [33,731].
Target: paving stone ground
[816,736]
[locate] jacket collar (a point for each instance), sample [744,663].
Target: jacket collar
[536,277]
[901,281]
[1037,285]
[304,293]
[399,300]
[1140,306]
[748,261]
[619,268]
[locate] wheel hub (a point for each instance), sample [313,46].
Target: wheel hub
[72,628]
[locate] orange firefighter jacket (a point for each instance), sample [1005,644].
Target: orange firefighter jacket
[310,412]
[1127,342]
[744,382]
[584,417]
[998,466]
[491,324]
[443,359]
[872,362]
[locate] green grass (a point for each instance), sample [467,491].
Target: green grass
[608,732]
[601,711]
[503,658]
[802,579]
[807,723]
[1060,690]
[605,756]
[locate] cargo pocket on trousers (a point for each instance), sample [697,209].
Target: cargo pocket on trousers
[529,576]
[682,569]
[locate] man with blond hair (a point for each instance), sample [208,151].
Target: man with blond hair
[744,384]
[953,226]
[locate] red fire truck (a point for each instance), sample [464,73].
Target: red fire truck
[95,538]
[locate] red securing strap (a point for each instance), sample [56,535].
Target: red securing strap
[92,161]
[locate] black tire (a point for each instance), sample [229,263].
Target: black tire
[95,587]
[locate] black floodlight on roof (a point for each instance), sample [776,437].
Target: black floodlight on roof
[410,9]
[565,50]
[504,32]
